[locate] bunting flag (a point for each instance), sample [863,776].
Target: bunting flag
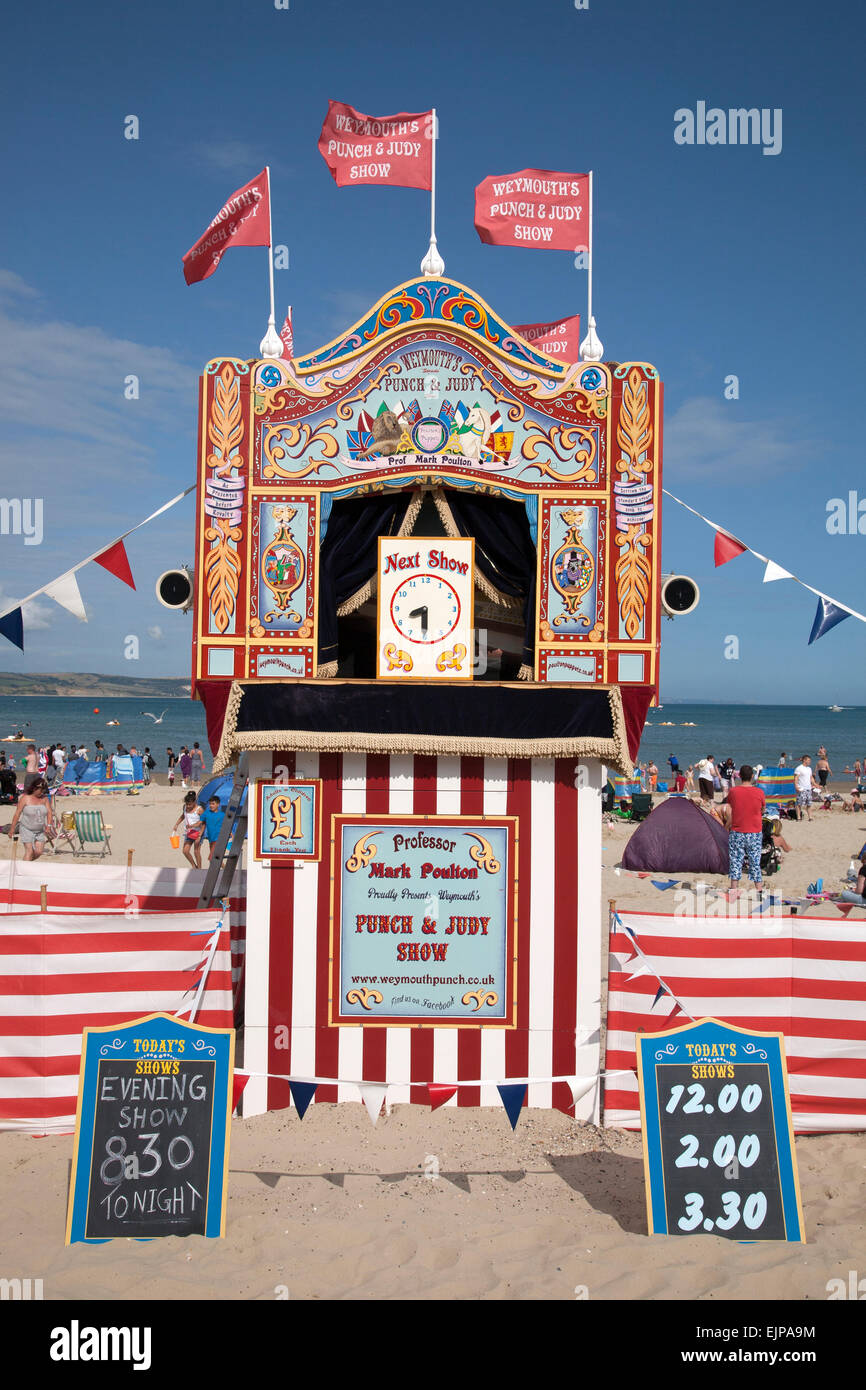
[827,615]
[378,149]
[302,1094]
[830,611]
[665,884]
[726,548]
[112,557]
[12,627]
[116,561]
[660,993]
[534,208]
[244,220]
[580,1086]
[238,1084]
[439,1095]
[372,1094]
[287,336]
[774,571]
[65,591]
[512,1098]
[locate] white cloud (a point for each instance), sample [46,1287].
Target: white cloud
[230,156]
[38,614]
[708,438]
[81,401]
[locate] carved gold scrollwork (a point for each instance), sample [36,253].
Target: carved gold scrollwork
[289,441]
[480,997]
[363,997]
[634,436]
[452,660]
[562,438]
[484,855]
[363,853]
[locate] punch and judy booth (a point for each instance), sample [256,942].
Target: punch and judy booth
[427,616]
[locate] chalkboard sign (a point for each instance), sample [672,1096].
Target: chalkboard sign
[718,1146]
[152,1131]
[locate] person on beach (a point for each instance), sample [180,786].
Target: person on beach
[172,764]
[213,819]
[674,765]
[690,778]
[185,766]
[33,819]
[783,759]
[803,784]
[857,895]
[745,805]
[193,829]
[653,775]
[854,803]
[197,764]
[706,770]
[823,768]
[31,767]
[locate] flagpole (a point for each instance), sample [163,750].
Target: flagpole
[271,344]
[433,264]
[591,349]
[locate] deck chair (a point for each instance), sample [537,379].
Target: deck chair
[64,827]
[91,830]
[641,805]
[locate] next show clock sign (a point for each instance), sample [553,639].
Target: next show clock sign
[425,608]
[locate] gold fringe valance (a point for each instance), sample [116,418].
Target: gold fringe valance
[611,751]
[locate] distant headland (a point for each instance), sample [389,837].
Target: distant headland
[84,684]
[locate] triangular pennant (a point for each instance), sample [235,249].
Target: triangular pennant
[65,591]
[12,627]
[828,615]
[726,548]
[115,560]
[372,1094]
[632,933]
[659,992]
[581,1086]
[439,1095]
[302,1094]
[665,883]
[774,571]
[844,908]
[238,1084]
[677,1009]
[512,1098]
[643,970]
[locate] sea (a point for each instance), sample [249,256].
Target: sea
[746,733]
[47,719]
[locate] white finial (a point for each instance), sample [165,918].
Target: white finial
[592,348]
[433,264]
[271,344]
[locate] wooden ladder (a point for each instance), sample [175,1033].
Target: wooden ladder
[229,847]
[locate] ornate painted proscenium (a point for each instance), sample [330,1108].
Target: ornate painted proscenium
[431,392]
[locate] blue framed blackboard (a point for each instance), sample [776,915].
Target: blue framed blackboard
[718,1145]
[151,1131]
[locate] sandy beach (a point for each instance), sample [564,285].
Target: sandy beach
[446,1205]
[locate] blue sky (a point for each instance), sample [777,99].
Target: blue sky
[710,261]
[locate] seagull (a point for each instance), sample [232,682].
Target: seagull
[148,715]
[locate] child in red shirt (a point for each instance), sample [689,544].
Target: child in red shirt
[746,808]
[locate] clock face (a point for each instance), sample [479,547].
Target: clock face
[425,608]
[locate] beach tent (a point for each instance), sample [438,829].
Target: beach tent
[678,837]
[625,787]
[121,771]
[776,781]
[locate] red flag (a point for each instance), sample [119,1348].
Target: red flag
[287,335]
[115,560]
[238,1084]
[378,149]
[245,220]
[439,1094]
[726,548]
[560,339]
[535,208]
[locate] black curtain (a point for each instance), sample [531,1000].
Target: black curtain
[504,551]
[349,555]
